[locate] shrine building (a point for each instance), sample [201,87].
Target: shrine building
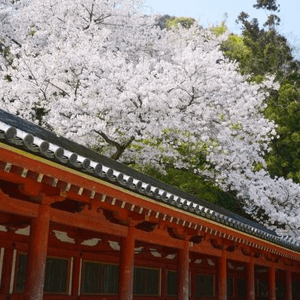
[76,225]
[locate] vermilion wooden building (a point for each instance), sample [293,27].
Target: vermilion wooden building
[76,225]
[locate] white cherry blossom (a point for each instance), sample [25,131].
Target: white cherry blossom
[101,73]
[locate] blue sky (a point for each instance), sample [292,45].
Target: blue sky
[213,12]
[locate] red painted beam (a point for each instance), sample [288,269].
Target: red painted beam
[237,256]
[100,224]
[28,186]
[18,207]
[159,237]
[262,261]
[87,222]
[206,248]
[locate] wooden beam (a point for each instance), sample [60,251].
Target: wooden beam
[18,207]
[99,224]
[206,248]
[27,185]
[237,256]
[160,237]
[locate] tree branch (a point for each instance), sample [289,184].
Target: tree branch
[120,148]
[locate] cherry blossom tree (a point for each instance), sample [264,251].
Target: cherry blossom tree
[103,74]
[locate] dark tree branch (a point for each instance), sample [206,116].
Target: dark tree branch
[120,148]
[64,92]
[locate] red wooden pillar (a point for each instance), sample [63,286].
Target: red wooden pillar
[76,277]
[272,282]
[37,255]
[183,272]
[126,270]
[222,276]
[251,280]
[7,270]
[288,284]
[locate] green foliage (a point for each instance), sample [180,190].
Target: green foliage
[267,4]
[5,51]
[258,51]
[183,21]
[32,31]
[261,52]
[195,152]
[8,78]
[197,186]
[184,179]
[219,30]
[284,109]
[258,78]
[257,167]
[235,48]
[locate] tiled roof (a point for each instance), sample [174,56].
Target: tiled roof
[32,138]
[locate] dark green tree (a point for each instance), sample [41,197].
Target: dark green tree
[259,51]
[262,51]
